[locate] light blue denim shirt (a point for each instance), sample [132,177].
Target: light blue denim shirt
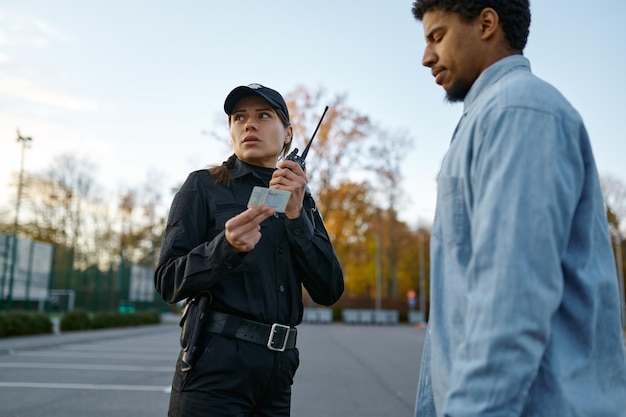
[525,315]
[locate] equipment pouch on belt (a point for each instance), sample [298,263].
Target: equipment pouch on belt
[192,323]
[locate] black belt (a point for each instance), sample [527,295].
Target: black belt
[275,336]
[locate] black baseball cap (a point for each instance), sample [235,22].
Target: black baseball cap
[271,96]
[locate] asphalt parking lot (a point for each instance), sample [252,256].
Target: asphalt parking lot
[345,371]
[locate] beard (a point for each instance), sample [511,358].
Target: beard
[458,91]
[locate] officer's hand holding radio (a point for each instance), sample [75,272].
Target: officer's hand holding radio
[290,177]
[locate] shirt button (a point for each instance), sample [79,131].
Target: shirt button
[276,215]
[296,232]
[281,289]
[280,250]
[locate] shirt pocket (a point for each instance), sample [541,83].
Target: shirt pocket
[451,223]
[226,211]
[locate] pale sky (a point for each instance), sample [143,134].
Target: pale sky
[132,84]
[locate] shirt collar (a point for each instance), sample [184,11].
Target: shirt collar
[492,74]
[240,169]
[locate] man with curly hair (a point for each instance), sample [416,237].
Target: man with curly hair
[525,310]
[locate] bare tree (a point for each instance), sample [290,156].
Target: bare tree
[43,210]
[57,199]
[142,220]
[152,221]
[386,156]
[74,181]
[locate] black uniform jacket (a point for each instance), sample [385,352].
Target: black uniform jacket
[264,284]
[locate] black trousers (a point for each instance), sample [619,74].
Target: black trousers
[234,378]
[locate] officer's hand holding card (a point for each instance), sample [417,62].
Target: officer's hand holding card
[276,199]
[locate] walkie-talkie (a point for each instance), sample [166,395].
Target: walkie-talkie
[293,156]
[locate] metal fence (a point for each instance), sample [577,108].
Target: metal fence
[25,268]
[42,276]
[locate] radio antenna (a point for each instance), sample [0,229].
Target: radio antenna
[308,145]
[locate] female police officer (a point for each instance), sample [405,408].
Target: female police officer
[253,263]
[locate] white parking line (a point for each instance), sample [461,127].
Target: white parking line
[100,387]
[88,367]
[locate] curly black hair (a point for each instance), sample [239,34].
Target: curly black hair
[514,15]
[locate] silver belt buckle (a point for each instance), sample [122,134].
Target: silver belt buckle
[273,331]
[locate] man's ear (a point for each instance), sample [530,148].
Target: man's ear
[490,22]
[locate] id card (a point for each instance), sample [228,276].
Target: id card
[276,199]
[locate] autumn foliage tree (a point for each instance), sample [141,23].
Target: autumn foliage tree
[354,168]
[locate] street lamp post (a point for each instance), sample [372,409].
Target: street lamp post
[25,141]
[422,270]
[379,262]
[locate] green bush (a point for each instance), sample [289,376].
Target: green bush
[10,324]
[110,319]
[403,316]
[20,323]
[104,320]
[149,317]
[75,320]
[43,324]
[129,319]
[337,314]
